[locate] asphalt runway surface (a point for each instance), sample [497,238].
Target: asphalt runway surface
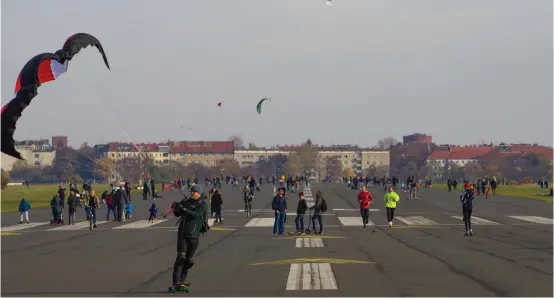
[424,254]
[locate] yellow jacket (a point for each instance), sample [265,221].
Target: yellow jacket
[390,199]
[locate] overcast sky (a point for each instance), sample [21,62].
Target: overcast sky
[462,71]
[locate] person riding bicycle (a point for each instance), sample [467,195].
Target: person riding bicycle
[94,205]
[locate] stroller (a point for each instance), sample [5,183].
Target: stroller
[57,218]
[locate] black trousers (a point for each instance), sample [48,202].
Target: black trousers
[186,247]
[365,215]
[467,217]
[390,214]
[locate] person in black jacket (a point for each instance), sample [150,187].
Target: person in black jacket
[317,207]
[217,203]
[467,208]
[72,202]
[192,221]
[118,204]
[300,212]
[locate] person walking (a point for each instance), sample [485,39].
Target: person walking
[300,212]
[365,200]
[279,206]
[467,209]
[72,202]
[217,204]
[192,224]
[318,212]
[391,198]
[94,205]
[24,208]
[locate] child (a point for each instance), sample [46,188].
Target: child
[300,212]
[24,207]
[128,210]
[153,211]
[488,192]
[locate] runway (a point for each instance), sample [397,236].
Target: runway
[424,254]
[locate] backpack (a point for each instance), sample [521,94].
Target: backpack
[323,205]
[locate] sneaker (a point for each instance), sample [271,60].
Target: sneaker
[94,226]
[20,222]
[27,222]
[298,233]
[466,233]
[470,233]
[390,224]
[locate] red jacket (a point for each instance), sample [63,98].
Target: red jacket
[365,199]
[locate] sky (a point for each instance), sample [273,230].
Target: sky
[354,72]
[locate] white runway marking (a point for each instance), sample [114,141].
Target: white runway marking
[353,221]
[140,224]
[311,276]
[477,220]
[534,219]
[78,226]
[23,226]
[416,220]
[309,242]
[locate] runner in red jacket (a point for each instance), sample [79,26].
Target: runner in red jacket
[365,200]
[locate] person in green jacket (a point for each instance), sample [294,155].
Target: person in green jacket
[192,223]
[391,198]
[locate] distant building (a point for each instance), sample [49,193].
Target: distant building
[37,153]
[185,152]
[417,138]
[59,142]
[208,154]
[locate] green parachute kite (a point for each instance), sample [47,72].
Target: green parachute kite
[259,105]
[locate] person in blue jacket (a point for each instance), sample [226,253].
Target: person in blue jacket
[279,206]
[24,207]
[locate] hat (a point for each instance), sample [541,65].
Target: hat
[195,188]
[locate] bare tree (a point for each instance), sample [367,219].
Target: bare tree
[305,157]
[332,167]
[386,143]
[237,141]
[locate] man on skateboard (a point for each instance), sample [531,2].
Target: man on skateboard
[192,223]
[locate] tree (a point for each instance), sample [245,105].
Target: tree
[410,169]
[103,167]
[252,146]
[306,157]
[237,141]
[425,172]
[386,143]
[331,168]
[292,167]
[472,171]
[5,179]
[75,178]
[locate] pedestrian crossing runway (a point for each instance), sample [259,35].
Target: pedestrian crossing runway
[330,220]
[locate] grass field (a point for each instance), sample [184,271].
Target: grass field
[36,195]
[528,191]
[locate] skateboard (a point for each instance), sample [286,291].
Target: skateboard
[183,288]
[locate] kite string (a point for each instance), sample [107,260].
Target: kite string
[106,107]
